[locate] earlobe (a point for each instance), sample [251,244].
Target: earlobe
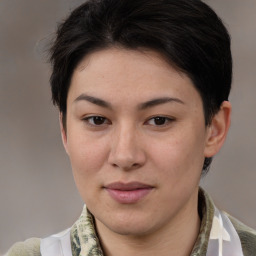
[63,132]
[218,129]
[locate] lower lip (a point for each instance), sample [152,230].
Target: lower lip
[128,196]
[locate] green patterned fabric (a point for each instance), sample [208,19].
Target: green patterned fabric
[206,212]
[246,235]
[84,240]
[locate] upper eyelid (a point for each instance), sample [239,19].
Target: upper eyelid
[86,118]
[91,116]
[162,116]
[169,118]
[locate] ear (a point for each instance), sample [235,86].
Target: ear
[217,130]
[63,133]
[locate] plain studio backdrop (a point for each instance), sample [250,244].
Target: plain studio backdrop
[37,194]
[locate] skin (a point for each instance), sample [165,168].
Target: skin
[127,143]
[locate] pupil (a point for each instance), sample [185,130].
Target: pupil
[98,120]
[160,120]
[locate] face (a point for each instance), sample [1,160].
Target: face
[136,139]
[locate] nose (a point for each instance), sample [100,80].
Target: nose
[126,152]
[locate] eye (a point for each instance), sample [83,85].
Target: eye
[159,121]
[96,120]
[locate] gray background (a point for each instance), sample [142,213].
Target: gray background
[37,193]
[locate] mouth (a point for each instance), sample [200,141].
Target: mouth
[128,193]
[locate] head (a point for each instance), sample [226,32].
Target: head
[186,33]
[142,88]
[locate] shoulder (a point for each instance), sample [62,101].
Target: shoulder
[247,236]
[30,247]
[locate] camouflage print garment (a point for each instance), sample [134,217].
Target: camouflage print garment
[84,241]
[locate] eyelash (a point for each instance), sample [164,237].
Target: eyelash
[166,120]
[105,121]
[87,120]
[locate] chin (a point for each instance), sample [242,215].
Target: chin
[128,224]
[132,229]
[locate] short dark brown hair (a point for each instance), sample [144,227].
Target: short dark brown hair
[188,34]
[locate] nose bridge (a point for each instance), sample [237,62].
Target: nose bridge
[126,151]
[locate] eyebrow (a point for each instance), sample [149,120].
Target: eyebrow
[142,106]
[159,101]
[94,100]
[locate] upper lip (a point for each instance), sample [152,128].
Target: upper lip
[127,186]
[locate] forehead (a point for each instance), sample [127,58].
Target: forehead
[124,60]
[131,74]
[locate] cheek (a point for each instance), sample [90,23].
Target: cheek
[180,157]
[87,156]
[87,159]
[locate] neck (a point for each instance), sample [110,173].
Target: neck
[176,238]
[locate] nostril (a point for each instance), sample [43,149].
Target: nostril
[126,166]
